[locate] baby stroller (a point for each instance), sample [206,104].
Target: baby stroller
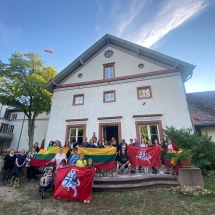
[49,170]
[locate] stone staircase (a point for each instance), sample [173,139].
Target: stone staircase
[133,182]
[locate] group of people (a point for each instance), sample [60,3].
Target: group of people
[17,162]
[122,161]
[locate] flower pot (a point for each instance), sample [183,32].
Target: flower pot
[185,162]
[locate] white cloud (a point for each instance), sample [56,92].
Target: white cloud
[171,16]
[127,23]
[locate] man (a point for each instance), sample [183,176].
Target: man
[136,143]
[74,158]
[74,143]
[131,142]
[84,143]
[124,163]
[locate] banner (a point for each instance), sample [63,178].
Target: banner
[44,156]
[144,156]
[43,142]
[103,158]
[74,183]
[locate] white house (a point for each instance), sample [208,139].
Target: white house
[118,89]
[14,129]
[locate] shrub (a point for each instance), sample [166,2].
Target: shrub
[201,146]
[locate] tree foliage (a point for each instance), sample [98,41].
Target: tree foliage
[21,86]
[202,147]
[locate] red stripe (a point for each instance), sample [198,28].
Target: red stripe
[105,166]
[39,163]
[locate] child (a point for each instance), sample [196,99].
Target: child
[46,177]
[89,165]
[81,162]
[62,164]
[1,162]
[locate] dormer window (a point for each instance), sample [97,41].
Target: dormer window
[108,53]
[109,70]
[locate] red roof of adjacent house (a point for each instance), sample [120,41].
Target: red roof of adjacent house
[202,107]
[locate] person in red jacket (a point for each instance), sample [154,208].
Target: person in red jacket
[170,146]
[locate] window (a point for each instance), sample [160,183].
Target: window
[149,132]
[140,66]
[109,70]
[109,96]
[3,127]
[14,116]
[78,99]
[10,129]
[7,144]
[7,114]
[144,92]
[108,53]
[77,134]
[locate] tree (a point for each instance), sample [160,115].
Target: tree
[21,86]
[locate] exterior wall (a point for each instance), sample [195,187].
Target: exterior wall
[125,64]
[168,99]
[210,131]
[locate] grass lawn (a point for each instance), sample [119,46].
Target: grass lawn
[26,200]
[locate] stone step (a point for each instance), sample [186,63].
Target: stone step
[136,186]
[133,179]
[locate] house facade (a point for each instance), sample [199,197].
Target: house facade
[118,89]
[14,129]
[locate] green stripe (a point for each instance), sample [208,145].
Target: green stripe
[45,157]
[100,158]
[169,156]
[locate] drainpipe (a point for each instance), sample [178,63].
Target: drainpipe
[191,117]
[20,133]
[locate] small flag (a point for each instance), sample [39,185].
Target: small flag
[49,51]
[43,142]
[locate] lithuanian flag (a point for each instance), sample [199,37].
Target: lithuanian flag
[43,142]
[103,158]
[44,156]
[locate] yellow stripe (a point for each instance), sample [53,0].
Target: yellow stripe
[97,151]
[53,150]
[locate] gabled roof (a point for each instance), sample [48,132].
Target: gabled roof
[186,69]
[202,107]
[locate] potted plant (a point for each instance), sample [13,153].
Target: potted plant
[184,158]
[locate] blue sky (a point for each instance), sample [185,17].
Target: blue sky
[183,29]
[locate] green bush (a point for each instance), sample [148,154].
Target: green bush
[201,146]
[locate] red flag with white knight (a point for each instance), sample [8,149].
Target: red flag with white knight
[74,183]
[144,156]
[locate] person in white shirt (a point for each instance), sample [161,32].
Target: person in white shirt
[59,157]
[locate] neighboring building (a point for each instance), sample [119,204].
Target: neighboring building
[118,89]
[202,107]
[14,129]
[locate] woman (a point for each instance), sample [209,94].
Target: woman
[30,168]
[170,147]
[51,145]
[163,151]
[123,147]
[99,144]
[67,146]
[36,146]
[9,161]
[19,163]
[59,157]
[115,144]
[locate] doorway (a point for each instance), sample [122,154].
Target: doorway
[109,132]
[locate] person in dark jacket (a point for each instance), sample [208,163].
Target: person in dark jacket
[9,161]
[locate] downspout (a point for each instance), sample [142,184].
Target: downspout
[191,117]
[20,133]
